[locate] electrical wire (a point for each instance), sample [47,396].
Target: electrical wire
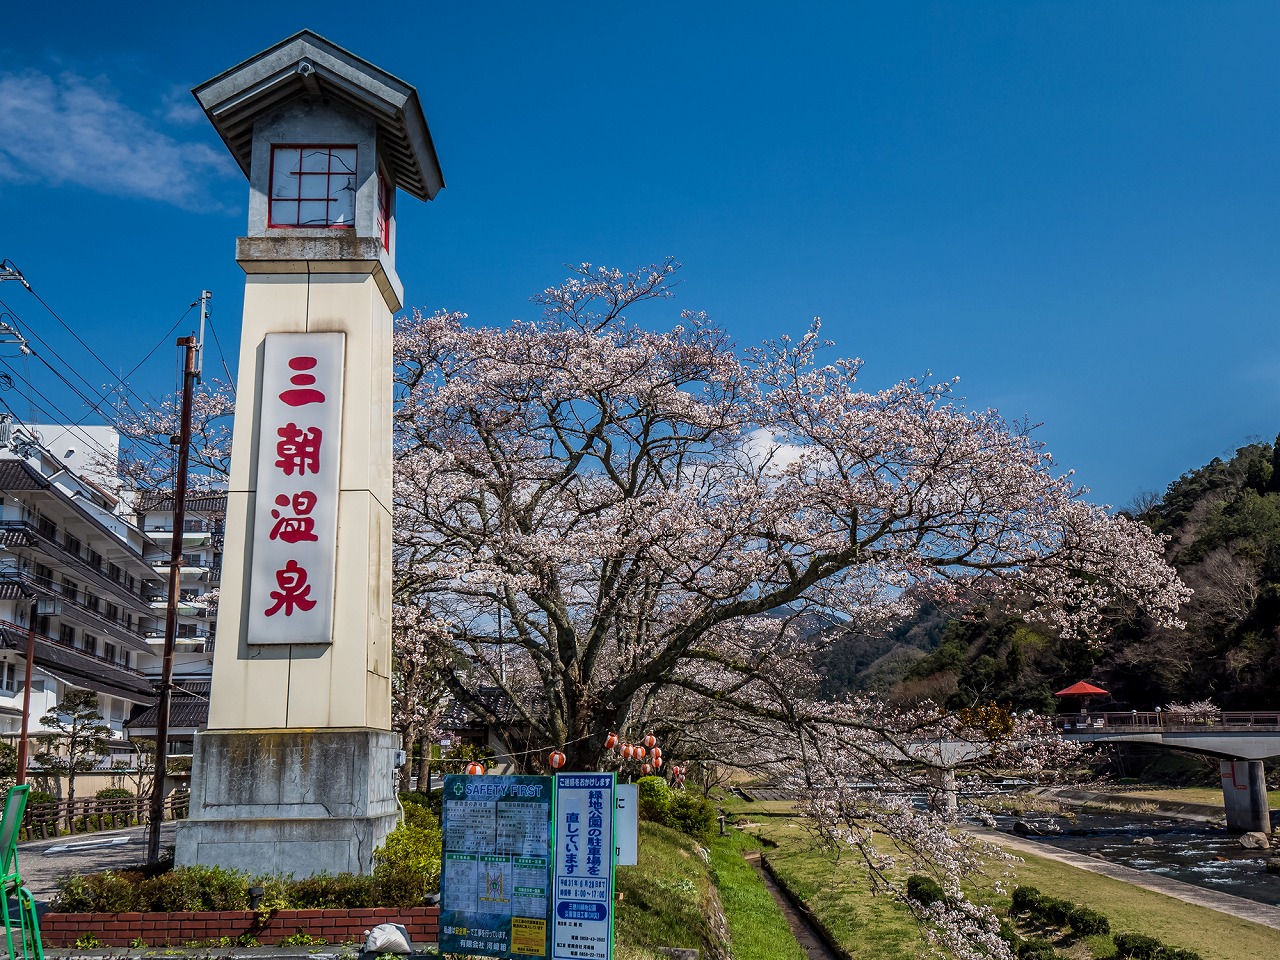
[221,356]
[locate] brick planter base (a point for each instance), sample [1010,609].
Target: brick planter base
[175,929]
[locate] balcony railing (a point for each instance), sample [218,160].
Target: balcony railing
[79,610]
[49,544]
[21,631]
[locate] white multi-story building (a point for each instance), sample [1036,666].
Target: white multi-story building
[80,576]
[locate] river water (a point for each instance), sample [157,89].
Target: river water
[1184,850]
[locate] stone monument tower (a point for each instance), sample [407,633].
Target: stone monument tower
[295,773]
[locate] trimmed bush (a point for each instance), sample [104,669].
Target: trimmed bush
[39,796]
[655,800]
[115,793]
[1055,912]
[1088,923]
[1137,946]
[924,890]
[407,867]
[1036,950]
[692,814]
[1025,900]
[106,892]
[1177,953]
[324,891]
[196,888]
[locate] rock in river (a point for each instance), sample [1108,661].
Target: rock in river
[1143,841]
[1255,841]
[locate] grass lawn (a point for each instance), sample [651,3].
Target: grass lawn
[1215,936]
[866,926]
[757,928]
[675,898]
[874,926]
[1209,795]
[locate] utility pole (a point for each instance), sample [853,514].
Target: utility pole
[191,372]
[24,739]
[205,297]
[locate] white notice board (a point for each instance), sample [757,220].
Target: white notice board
[582,921]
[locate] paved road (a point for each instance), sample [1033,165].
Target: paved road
[1262,913]
[44,862]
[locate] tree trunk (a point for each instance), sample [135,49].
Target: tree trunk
[407,739]
[424,765]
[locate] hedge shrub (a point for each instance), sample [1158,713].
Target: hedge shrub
[1088,923]
[1137,946]
[1025,900]
[1036,950]
[924,890]
[115,793]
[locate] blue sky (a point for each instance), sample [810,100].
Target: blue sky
[1071,206]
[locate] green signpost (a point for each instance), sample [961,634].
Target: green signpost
[495,880]
[527,866]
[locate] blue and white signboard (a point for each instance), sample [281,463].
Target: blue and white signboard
[582,920]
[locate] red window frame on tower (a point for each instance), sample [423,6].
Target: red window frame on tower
[384,208]
[308,187]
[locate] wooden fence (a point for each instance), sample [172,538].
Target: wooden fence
[89,814]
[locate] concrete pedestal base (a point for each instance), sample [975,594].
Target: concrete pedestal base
[290,801]
[1244,791]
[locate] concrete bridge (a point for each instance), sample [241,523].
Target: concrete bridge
[1241,741]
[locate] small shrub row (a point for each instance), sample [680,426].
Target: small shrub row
[1054,912]
[924,890]
[1137,946]
[676,809]
[405,870]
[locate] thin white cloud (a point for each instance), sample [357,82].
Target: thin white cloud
[179,107]
[65,129]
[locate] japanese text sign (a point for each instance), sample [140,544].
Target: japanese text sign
[496,865]
[295,530]
[582,921]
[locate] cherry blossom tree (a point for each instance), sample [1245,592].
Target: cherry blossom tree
[598,514]
[146,455]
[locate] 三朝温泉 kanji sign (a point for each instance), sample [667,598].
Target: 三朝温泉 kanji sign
[295,529]
[582,920]
[496,865]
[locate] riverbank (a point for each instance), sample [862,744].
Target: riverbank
[1252,911]
[1132,803]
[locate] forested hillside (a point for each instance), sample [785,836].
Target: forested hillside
[1224,523]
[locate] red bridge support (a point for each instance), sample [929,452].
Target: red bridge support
[1244,792]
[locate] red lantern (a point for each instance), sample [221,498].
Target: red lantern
[650,740]
[627,751]
[657,752]
[611,741]
[556,759]
[639,753]
[657,763]
[646,769]
[475,769]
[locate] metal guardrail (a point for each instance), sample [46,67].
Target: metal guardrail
[90,814]
[1147,721]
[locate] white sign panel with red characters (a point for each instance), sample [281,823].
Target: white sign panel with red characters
[295,528]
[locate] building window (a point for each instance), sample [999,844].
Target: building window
[113,571]
[95,559]
[44,576]
[69,590]
[72,544]
[384,209]
[9,676]
[113,613]
[91,644]
[67,634]
[109,652]
[42,626]
[46,526]
[90,601]
[313,186]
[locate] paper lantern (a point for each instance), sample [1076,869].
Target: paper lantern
[657,763]
[627,751]
[650,740]
[646,769]
[639,753]
[475,769]
[657,752]
[611,741]
[556,759]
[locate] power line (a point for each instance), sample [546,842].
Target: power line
[221,356]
